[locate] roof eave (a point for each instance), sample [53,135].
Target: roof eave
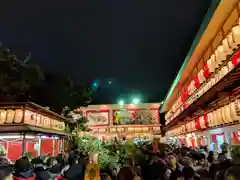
[204,25]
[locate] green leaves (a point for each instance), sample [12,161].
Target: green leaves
[107,158]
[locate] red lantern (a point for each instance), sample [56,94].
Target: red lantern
[196,81]
[206,71]
[205,120]
[236,59]
[197,124]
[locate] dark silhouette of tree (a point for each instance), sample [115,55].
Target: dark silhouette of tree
[20,80]
[59,91]
[17,77]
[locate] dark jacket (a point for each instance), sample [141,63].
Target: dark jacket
[42,173]
[74,172]
[24,174]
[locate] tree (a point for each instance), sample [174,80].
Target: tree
[78,123]
[17,77]
[59,91]
[24,81]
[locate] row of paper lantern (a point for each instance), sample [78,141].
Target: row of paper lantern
[39,120]
[10,116]
[204,88]
[224,115]
[227,47]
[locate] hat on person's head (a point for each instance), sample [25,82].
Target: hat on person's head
[23,164]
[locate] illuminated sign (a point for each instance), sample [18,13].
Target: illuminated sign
[97,118]
[121,117]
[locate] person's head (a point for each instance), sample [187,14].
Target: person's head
[73,160]
[5,169]
[52,161]
[188,173]
[6,172]
[37,161]
[222,157]
[125,173]
[177,175]
[172,160]
[210,157]
[205,148]
[23,164]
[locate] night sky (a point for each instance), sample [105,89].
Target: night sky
[129,47]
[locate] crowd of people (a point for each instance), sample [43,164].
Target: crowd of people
[172,164]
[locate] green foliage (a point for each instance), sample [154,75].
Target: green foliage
[107,158]
[236,152]
[28,154]
[78,124]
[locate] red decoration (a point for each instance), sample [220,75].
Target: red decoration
[205,120]
[185,106]
[197,124]
[196,82]
[184,95]
[206,71]
[236,59]
[235,138]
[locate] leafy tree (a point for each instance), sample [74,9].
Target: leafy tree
[59,91]
[21,80]
[78,123]
[17,77]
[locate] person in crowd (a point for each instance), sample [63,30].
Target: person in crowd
[175,169]
[54,167]
[73,171]
[105,176]
[40,170]
[189,173]
[126,173]
[210,157]
[23,169]
[5,169]
[60,158]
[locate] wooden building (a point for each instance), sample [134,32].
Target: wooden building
[28,127]
[202,106]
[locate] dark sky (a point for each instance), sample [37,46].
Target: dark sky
[139,45]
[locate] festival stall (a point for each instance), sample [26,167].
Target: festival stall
[30,128]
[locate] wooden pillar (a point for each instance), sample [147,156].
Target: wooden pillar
[39,145]
[53,146]
[23,143]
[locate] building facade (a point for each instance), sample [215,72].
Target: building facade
[122,121]
[202,106]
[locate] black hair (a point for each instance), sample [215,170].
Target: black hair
[23,164]
[50,161]
[36,161]
[72,159]
[176,174]
[188,172]
[5,171]
[5,168]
